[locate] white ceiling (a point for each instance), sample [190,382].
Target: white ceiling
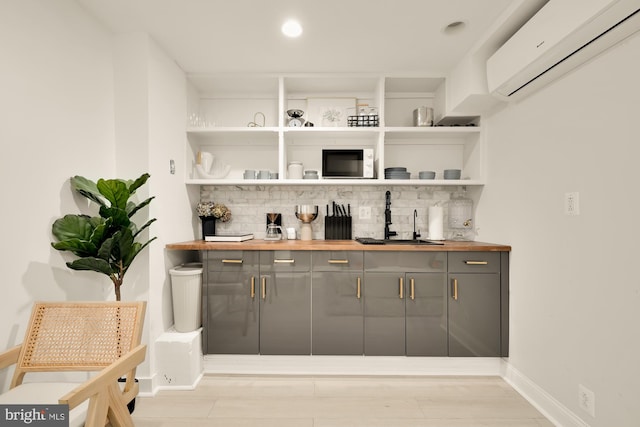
[340,36]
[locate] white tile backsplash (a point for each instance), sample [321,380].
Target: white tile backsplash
[249,205]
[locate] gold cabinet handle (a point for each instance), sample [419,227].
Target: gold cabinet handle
[253,287]
[412,282]
[338,261]
[283,261]
[264,288]
[401,288]
[359,289]
[476,262]
[455,289]
[232,261]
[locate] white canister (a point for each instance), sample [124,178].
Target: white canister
[295,170]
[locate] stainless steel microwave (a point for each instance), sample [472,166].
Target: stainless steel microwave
[348,163]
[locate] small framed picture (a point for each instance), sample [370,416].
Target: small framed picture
[330,112]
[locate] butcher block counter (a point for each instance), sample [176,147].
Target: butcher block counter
[334,245]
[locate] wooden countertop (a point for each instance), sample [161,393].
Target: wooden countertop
[332,245]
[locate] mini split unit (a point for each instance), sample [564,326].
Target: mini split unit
[560,36]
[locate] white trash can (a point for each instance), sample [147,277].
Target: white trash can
[186,291]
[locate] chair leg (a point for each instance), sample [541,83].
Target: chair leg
[118,413]
[98,409]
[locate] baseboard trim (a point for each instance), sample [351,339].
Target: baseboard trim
[551,408]
[350,365]
[146,386]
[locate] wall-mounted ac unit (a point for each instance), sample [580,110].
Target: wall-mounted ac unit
[561,36]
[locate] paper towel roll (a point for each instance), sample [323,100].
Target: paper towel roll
[436,223]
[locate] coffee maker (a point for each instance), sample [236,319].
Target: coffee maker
[274,226]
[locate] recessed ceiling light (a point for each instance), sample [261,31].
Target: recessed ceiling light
[454,27]
[292,28]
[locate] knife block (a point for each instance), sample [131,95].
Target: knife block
[337,228]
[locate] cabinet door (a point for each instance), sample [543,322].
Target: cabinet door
[338,305]
[232,312]
[384,314]
[426,314]
[285,313]
[474,314]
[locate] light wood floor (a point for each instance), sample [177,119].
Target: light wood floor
[295,401]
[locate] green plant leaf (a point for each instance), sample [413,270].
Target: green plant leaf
[119,217]
[87,188]
[124,241]
[138,183]
[136,232]
[105,251]
[132,208]
[81,248]
[72,227]
[116,247]
[115,191]
[99,232]
[93,264]
[136,249]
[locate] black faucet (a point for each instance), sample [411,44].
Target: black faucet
[387,217]
[415,235]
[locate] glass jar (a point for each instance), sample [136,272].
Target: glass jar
[460,217]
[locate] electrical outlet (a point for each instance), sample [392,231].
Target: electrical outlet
[364,212]
[572,203]
[587,400]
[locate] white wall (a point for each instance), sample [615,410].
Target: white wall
[575,291]
[77,100]
[174,202]
[56,120]
[150,105]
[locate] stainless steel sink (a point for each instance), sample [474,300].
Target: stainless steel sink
[411,242]
[372,241]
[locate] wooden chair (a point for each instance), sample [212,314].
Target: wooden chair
[80,336]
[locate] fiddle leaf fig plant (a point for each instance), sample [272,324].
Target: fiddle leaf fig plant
[106,243]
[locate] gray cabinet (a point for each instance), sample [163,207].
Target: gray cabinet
[405,304]
[337,303]
[230,306]
[384,325]
[285,302]
[475,299]
[426,314]
[431,303]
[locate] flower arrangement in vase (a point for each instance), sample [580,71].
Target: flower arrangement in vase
[209,212]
